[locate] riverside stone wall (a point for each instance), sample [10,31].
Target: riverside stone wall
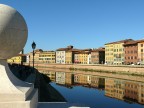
[130,69]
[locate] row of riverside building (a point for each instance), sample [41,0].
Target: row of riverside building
[121,52]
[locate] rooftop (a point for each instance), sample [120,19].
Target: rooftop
[121,41]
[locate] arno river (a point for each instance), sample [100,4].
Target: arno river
[99,90]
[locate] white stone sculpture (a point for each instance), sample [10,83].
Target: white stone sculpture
[14,93]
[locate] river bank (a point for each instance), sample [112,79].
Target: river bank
[122,69]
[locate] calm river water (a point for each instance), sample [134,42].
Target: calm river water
[100,90]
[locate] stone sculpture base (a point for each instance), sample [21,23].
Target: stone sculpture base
[15,93]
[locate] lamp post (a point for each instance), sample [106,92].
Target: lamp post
[33,47]
[36,83]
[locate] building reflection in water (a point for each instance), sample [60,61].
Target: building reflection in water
[122,89]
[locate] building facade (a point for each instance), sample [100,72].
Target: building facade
[60,57]
[65,55]
[69,57]
[83,57]
[114,52]
[41,57]
[47,57]
[19,59]
[109,53]
[98,56]
[141,51]
[131,52]
[36,57]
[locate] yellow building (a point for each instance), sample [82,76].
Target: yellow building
[109,53]
[114,52]
[141,51]
[82,56]
[47,57]
[19,59]
[69,57]
[36,57]
[118,53]
[41,57]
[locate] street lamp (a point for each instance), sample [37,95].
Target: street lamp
[36,83]
[33,47]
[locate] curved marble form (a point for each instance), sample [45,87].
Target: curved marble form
[13,32]
[14,93]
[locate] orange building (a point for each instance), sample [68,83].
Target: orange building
[131,52]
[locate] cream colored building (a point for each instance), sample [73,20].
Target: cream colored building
[65,55]
[60,57]
[141,51]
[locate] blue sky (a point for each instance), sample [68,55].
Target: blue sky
[54,24]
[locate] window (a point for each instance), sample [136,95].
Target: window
[141,45]
[141,50]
